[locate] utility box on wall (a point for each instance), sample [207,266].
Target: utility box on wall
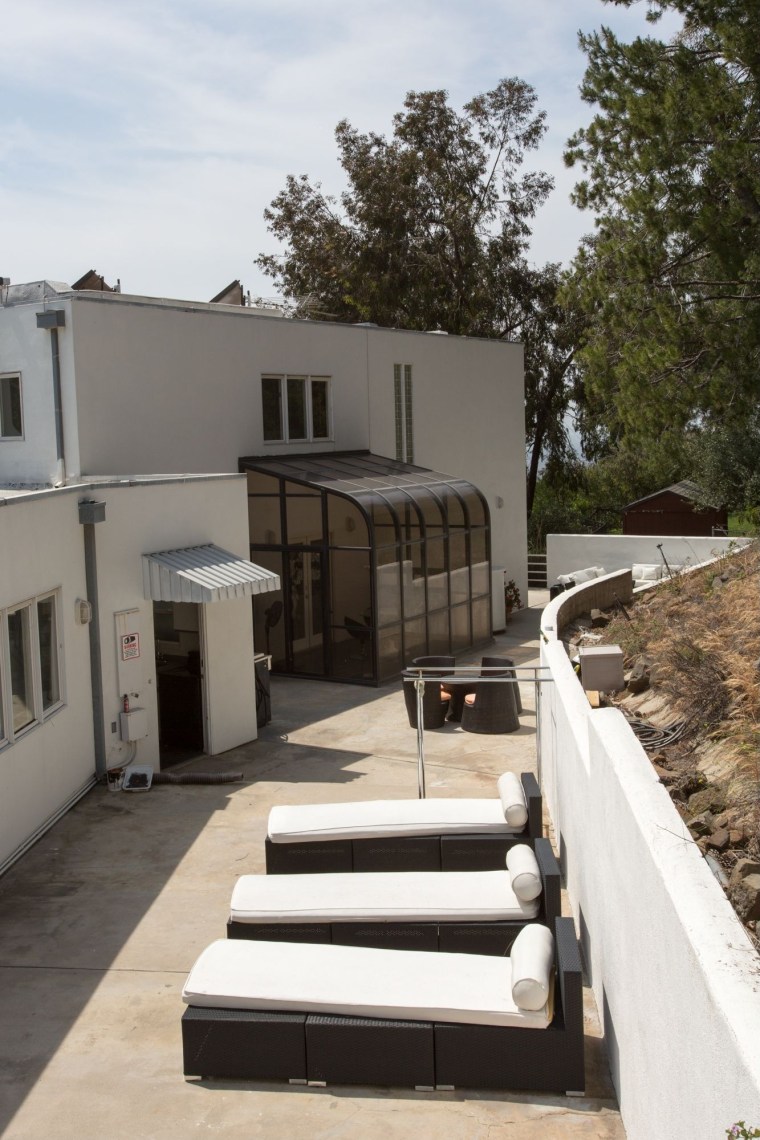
[133,725]
[602,668]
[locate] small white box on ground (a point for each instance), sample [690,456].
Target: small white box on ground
[602,668]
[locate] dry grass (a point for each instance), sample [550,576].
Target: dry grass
[700,634]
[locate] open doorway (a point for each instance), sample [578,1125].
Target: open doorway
[178,628]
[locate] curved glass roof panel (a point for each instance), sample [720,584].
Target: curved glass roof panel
[360,474]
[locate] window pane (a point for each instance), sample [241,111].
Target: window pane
[271,403]
[21,668]
[438,587]
[296,407]
[264,525]
[351,593]
[415,639]
[438,633]
[319,418]
[268,623]
[389,646]
[481,583]
[10,407]
[383,519]
[346,523]
[46,627]
[481,621]
[304,519]
[453,506]
[431,511]
[475,508]
[413,580]
[460,628]
[388,589]
[260,484]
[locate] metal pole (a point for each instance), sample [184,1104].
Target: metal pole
[537,684]
[419,686]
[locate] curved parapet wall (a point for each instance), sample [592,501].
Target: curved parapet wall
[675,976]
[599,593]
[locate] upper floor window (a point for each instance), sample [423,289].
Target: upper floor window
[11,424]
[402,397]
[30,664]
[295,408]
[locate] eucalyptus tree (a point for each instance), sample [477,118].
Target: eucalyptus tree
[432,233]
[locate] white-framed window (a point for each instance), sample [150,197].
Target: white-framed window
[403,412]
[295,409]
[30,664]
[11,417]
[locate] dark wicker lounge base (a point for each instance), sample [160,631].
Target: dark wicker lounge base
[323,1049]
[452,937]
[481,852]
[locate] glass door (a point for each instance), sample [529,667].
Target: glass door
[306,611]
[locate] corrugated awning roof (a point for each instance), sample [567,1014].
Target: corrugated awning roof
[203,574]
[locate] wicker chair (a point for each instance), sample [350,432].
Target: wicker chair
[435,700]
[500,663]
[492,707]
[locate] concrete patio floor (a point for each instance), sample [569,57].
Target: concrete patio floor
[103,918]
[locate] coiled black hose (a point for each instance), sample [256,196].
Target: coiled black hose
[196,777]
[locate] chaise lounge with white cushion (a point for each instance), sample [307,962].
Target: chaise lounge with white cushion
[476,912]
[265,1011]
[405,835]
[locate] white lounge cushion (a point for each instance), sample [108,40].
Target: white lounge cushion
[524,872]
[578,577]
[406,896]
[385,818]
[512,799]
[646,572]
[357,981]
[531,961]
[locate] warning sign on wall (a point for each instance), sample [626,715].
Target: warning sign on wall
[130,646]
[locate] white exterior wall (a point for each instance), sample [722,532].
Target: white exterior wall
[568,552]
[673,971]
[171,389]
[26,349]
[41,550]
[469,420]
[147,518]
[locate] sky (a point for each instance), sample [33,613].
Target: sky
[145,138]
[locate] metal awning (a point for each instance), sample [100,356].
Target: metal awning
[203,574]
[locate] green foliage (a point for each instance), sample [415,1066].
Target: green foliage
[512,599]
[725,461]
[740,1131]
[431,234]
[587,499]
[670,281]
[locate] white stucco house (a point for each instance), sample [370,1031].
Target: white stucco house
[125,635]
[364,486]
[102,383]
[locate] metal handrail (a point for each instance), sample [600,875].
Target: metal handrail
[444,673]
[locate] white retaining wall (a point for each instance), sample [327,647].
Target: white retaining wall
[676,979]
[568,552]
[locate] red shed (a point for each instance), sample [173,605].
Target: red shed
[674,510]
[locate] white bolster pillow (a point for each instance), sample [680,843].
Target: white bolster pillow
[531,959]
[513,800]
[523,872]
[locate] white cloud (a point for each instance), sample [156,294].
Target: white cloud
[145,139]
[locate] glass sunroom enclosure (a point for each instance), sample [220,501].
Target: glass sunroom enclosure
[380,562]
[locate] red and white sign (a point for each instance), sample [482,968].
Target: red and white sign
[130,646]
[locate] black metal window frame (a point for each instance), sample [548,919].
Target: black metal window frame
[331,474]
